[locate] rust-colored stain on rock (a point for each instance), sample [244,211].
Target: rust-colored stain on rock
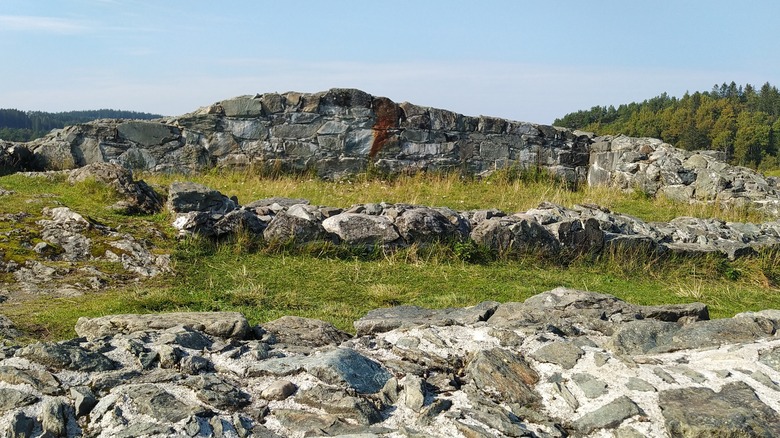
[387,114]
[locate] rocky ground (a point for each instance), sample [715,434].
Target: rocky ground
[71,253]
[562,363]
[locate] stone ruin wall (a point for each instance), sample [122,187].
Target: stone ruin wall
[335,133]
[343,132]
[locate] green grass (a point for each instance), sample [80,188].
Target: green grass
[340,285]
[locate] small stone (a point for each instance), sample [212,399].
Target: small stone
[607,416]
[279,390]
[600,359]
[663,375]
[590,386]
[568,397]
[637,384]
[21,426]
[765,380]
[195,365]
[565,354]
[83,400]
[428,415]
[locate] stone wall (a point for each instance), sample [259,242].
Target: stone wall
[338,132]
[343,132]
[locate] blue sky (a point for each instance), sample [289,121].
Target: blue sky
[523,60]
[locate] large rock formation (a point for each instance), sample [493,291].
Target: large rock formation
[345,131]
[562,363]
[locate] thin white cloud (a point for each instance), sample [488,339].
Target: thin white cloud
[31,23]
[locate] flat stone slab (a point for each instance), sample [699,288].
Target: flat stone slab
[390,318]
[229,325]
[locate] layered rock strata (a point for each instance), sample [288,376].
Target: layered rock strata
[562,363]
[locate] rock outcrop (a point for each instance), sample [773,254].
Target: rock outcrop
[548,229]
[562,363]
[343,132]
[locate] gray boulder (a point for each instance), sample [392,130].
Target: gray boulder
[184,197]
[228,325]
[140,198]
[286,227]
[362,229]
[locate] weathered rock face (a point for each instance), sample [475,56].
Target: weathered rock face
[559,364]
[345,131]
[335,133]
[655,167]
[548,229]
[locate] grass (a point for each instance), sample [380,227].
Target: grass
[340,285]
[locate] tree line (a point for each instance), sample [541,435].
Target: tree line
[18,125]
[742,121]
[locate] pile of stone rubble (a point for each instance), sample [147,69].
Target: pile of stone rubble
[549,228]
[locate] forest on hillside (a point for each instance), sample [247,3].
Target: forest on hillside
[18,125]
[742,121]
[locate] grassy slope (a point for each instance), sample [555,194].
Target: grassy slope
[328,284]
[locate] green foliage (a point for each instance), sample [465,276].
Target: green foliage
[740,121]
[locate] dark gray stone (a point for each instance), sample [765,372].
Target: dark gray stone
[285,227]
[607,416]
[217,392]
[66,356]
[734,411]
[147,133]
[423,224]
[13,398]
[565,354]
[21,426]
[41,380]
[336,366]
[305,332]
[504,375]
[338,402]
[83,400]
[160,404]
[184,197]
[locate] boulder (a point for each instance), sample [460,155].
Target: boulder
[362,229]
[140,198]
[228,325]
[184,197]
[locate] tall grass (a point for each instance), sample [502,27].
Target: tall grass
[340,284]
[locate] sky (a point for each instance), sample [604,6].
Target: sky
[532,61]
